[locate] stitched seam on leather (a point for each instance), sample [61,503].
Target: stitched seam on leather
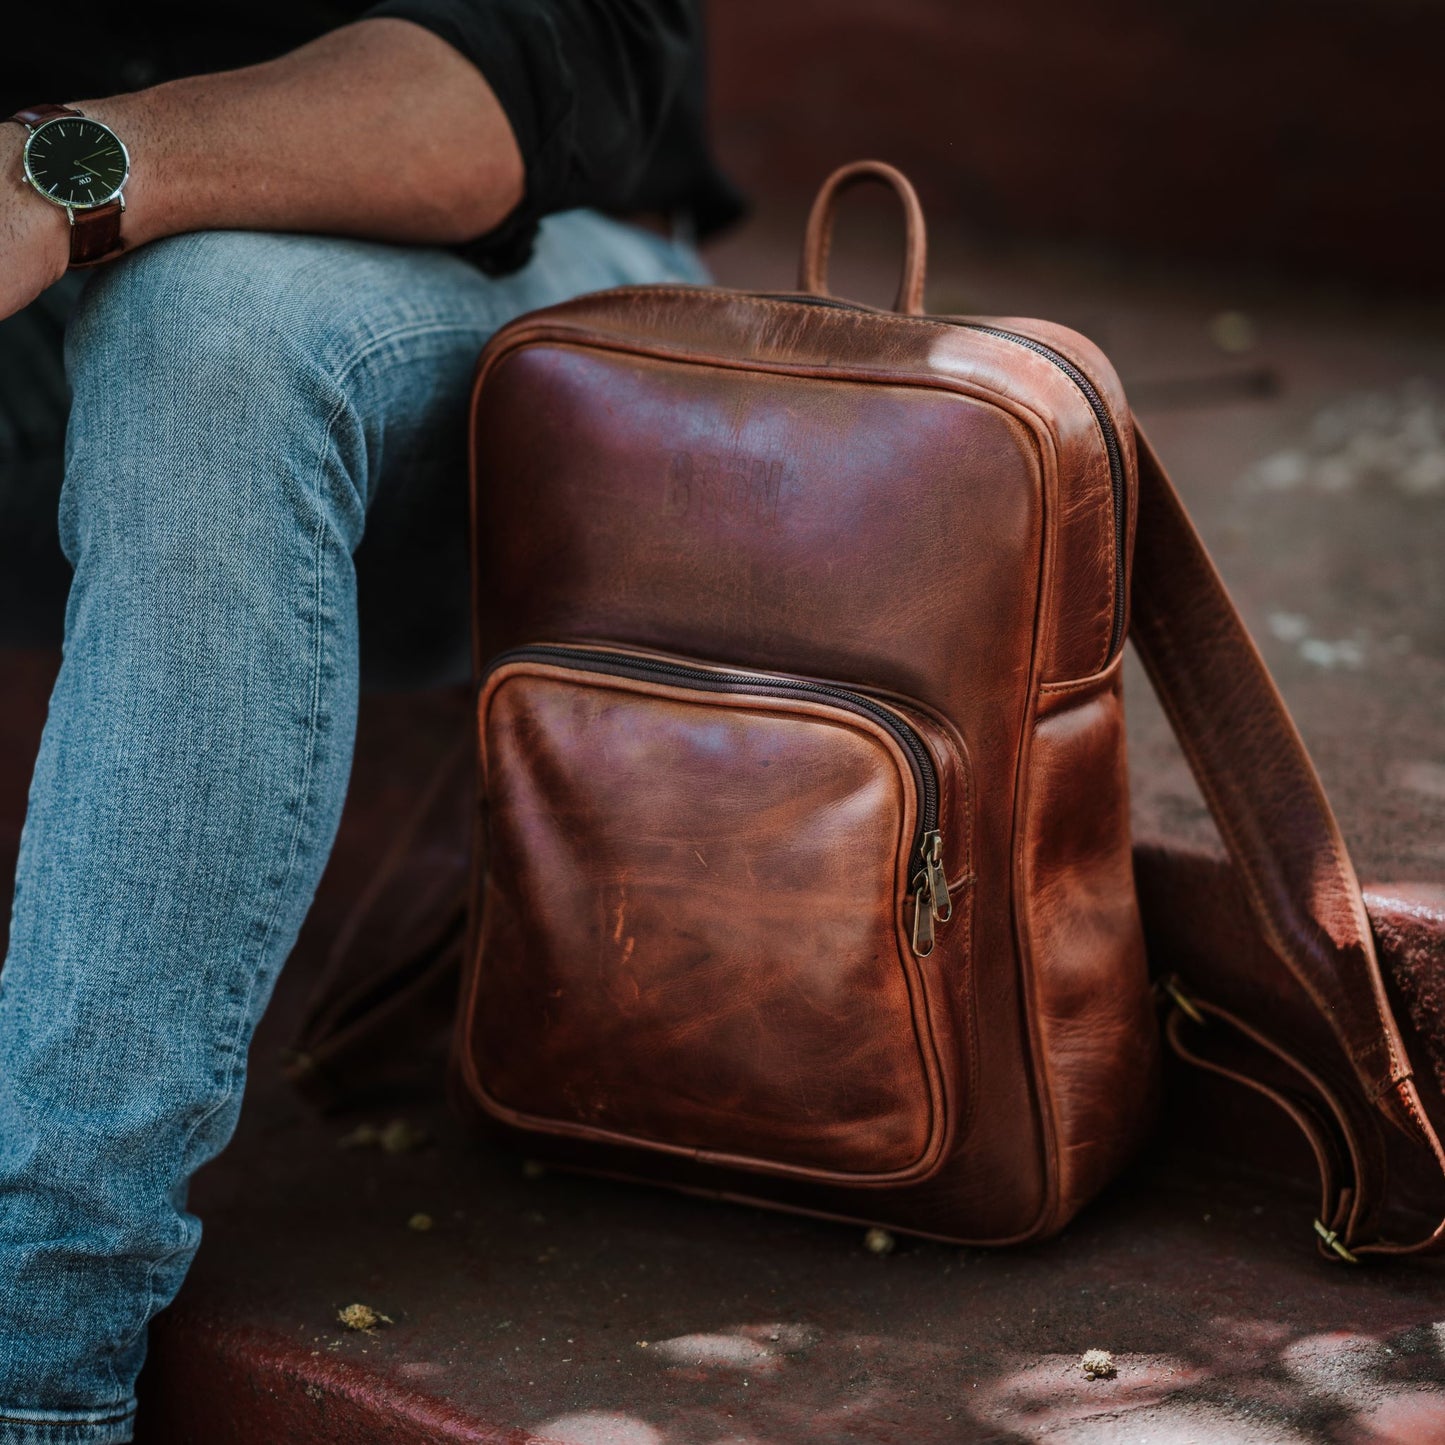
[540,325]
[969,1041]
[1041,1064]
[969,1113]
[1408,1098]
[821,370]
[1062,689]
[970,1012]
[965,772]
[1095,680]
[1111,572]
[1042,1105]
[1106,498]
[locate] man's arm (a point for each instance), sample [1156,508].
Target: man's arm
[379,129]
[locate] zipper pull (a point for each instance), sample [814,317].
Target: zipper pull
[937,878]
[922,915]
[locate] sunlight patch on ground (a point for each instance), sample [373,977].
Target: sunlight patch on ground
[597,1427]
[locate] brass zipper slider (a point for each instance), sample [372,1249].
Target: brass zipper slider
[937,878]
[922,914]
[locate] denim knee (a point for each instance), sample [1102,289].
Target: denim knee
[216,351]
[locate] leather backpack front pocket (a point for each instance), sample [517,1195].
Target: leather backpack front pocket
[710,912]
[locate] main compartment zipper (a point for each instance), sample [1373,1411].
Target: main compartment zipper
[1111,446]
[929,884]
[1090,394]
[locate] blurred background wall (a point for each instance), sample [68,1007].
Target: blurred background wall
[1303,133]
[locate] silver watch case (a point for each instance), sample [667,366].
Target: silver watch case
[71,207]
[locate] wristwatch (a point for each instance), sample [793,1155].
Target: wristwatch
[79,164]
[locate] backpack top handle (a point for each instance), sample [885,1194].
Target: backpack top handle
[818,238]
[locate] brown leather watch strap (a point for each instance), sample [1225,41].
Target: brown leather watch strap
[95,235]
[94,232]
[33,115]
[1291,860]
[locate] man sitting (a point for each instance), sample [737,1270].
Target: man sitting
[272,356]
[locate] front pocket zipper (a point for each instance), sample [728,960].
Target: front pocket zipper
[929,880]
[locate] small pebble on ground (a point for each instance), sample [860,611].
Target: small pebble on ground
[1098,1365]
[362,1317]
[879,1241]
[397,1137]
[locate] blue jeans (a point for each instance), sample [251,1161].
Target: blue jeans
[244,407]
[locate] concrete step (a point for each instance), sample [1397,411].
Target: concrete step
[579,1312]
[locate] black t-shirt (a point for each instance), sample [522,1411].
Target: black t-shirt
[606,97]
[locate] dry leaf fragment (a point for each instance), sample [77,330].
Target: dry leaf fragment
[399,1137]
[362,1317]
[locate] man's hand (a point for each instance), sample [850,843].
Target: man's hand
[379,130]
[34,235]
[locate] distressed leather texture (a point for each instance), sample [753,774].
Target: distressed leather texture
[715,963]
[690,956]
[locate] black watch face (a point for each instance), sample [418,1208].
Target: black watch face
[75,161]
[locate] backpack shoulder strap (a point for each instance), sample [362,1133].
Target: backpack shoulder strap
[1291,861]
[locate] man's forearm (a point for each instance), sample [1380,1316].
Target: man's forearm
[379,129]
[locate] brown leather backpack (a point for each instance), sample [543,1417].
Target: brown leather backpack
[803,863]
